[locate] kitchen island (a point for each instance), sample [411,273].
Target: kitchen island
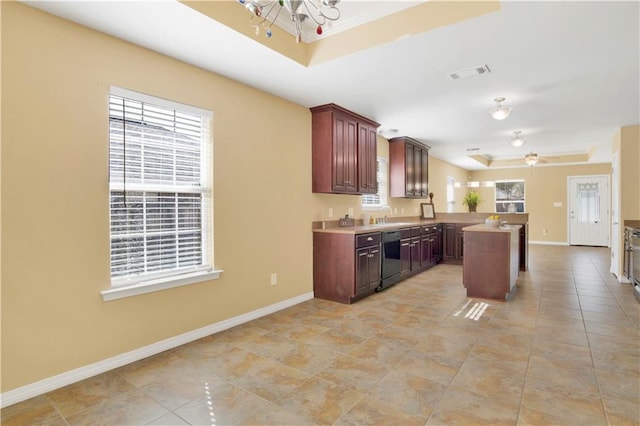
[490,265]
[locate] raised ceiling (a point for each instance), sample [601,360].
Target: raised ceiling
[570,70]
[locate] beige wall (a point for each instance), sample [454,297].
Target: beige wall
[55,230]
[630,173]
[543,187]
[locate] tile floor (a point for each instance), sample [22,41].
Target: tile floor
[564,351]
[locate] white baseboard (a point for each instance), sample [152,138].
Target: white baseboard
[550,243]
[47,385]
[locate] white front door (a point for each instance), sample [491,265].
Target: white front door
[589,210]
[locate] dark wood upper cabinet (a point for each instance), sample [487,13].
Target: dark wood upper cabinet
[344,151]
[408,168]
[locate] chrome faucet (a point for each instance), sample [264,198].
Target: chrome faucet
[384,220]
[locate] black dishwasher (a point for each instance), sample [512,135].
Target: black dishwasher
[391,264]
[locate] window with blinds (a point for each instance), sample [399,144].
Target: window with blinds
[379,199]
[160,184]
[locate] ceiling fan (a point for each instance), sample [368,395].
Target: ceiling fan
[531,158]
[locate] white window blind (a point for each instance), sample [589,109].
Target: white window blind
[160,188]
[379,199]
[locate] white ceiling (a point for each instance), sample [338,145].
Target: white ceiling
[570,70]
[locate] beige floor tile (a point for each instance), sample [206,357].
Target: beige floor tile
[462,407]
[77,397]
[376,350]
[320,401]
[128,408]
[413,395]
[355,374]
[622,411]
[307,358]
[491,379]
[374,412]
[169,419]
[33,411]
[222,404]
[271,380]
[436,368]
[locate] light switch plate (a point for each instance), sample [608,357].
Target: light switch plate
[557,204]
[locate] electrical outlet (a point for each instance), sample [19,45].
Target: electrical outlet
[330,212]
[350,211]
[395,210]
[274,279]
[544,231]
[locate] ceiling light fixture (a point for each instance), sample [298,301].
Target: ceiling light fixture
[500,112]
[518,140]
[321,11]
[531,159]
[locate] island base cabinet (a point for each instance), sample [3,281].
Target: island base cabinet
[490,268]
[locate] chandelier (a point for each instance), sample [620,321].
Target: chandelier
[531,159]
[267,11]
[500,112]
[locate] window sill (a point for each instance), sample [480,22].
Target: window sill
[159,284]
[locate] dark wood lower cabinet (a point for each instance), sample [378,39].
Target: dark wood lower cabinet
[420,248]
[346,267]
[453,242]
[368,269]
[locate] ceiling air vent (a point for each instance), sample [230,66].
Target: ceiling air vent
[470,72]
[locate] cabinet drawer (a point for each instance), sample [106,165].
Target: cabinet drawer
[425,229]
[405,233]
[365,240]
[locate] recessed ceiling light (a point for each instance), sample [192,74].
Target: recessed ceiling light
[473,149]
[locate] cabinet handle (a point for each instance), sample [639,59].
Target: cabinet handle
[369,238]
[374,252]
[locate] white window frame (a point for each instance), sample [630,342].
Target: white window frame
[382,178]
[134,284]
[451,195]
[524,195]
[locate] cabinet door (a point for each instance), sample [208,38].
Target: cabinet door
[367,159]
[436,244]
[424,173]
[345,160]
[460,243]
[410,179]
[417,171]
[374,267]
[416,247]
[405,256]
[449,243]
[362,270]
[425,250]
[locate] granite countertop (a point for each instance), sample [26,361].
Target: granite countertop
[481,227]
[407,222]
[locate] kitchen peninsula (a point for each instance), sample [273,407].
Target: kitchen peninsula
[490,267]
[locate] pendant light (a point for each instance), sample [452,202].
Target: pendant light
[518,140]
[500,112]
